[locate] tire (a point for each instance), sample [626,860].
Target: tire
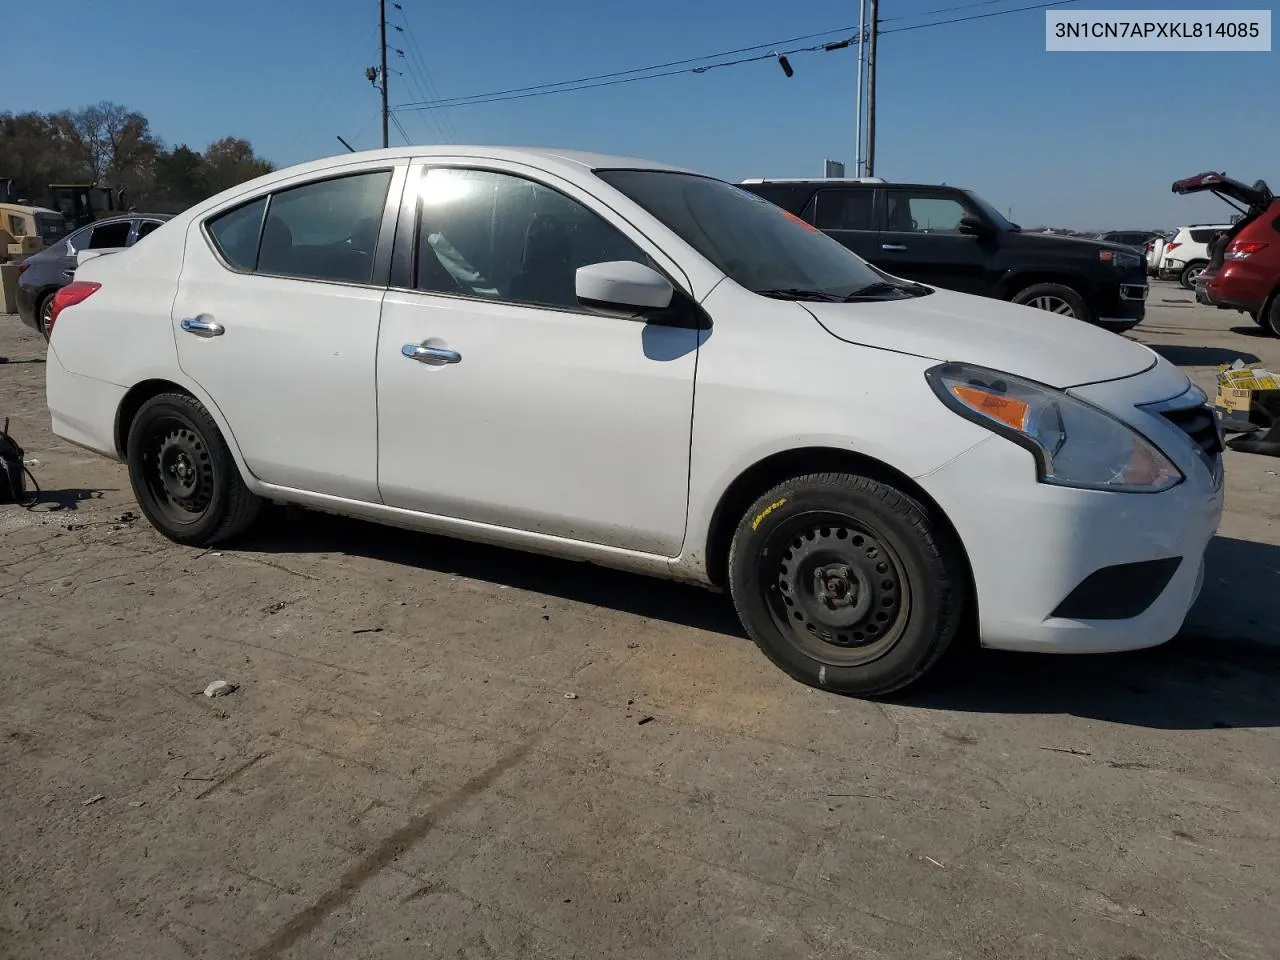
[183,475]
[1055,298]
[1187,279]
[895,583]
[43,309]
[1268,318]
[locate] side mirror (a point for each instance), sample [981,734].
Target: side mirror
[971,226]
[622,284]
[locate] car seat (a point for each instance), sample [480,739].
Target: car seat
[545,273]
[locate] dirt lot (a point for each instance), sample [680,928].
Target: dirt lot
[403,772]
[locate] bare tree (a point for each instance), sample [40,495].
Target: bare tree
[113,143]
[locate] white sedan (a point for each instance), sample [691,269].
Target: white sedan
[631,364]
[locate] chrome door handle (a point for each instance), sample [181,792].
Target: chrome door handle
[893,246]
[202,326]
[435,356]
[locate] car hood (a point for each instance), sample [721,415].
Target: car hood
[1023,341]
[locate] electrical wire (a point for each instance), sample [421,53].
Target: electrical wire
[645,73]
[416,55]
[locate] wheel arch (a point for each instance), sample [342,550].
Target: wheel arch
[783,465]
[1015,283]
[144,390]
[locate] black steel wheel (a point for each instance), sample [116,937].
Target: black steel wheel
[186,481]
[847,583]
[837,587]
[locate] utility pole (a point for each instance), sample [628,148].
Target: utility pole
[382,16]
[862,31]
[871,89]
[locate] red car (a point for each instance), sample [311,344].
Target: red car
[1244,269]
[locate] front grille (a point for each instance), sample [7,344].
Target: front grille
[1201,425]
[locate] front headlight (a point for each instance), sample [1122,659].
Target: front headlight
[1075,444]
[1123,261]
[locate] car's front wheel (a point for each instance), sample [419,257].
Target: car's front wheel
[846,583]
[1055,298]
[184,476]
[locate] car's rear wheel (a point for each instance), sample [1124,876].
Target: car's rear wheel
[44,314]
[1191,273]
[1268,318]
[183,475]
[846,583]
[1055,298]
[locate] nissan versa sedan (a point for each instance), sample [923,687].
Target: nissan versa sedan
[635,365]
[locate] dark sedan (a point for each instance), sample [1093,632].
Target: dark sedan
[43,274]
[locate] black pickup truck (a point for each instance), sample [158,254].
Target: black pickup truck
[952,238]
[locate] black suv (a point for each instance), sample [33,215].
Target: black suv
[952,238]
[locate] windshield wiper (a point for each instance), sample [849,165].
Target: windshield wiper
[795,293]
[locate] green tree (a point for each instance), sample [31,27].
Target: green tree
[230,162]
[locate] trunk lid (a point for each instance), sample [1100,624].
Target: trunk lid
[946,326]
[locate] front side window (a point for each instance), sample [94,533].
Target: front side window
[757,244]
[914,213]
[502,237]
[17,226]
[109,236]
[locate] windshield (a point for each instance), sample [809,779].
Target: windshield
[757,244]
[1000,222]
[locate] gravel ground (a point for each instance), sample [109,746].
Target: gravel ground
[445,750]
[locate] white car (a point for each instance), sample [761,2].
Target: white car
[1187,254]
[631,364]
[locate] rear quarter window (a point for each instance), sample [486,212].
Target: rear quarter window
[1203,236]
[235,233]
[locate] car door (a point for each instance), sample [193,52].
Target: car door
[921,240]
[505,402]
[847,214]
[106,237]
[276,318]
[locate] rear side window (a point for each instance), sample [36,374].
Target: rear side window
[109,236]
[235,234]
[843,210]
[146,227]
[326,230]
[1203,236]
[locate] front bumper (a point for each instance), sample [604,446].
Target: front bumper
[1126,306]
[1031,546]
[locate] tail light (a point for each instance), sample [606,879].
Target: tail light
[1243,251]
[75,292]
[1172,245]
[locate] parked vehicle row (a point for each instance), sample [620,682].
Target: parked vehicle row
[45,273]
[952,238]
[1243,269]
[632,364]
[1186,253]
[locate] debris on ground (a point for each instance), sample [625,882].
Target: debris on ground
[571,696]
[219,688]
[643,720]
[92,800]
[137,803]
[1071,750]
[368,630]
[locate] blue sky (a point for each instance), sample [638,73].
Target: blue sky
[1084,140]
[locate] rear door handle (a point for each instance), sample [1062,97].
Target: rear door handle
[893,246]
[202,326]
[434,356]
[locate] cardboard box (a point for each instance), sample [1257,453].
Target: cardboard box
[8,288]
[1239,387]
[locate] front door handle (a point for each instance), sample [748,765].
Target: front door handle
[896,247]
[202,326]
[434,356]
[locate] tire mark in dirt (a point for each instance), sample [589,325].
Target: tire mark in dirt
[230,776]
[397,843]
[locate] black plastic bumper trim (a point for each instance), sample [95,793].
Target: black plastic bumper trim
[1118,592]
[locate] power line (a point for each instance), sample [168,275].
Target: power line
[417,55]
[645,73]
[400,127]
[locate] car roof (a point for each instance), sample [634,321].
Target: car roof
[582,160]
[131,216]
